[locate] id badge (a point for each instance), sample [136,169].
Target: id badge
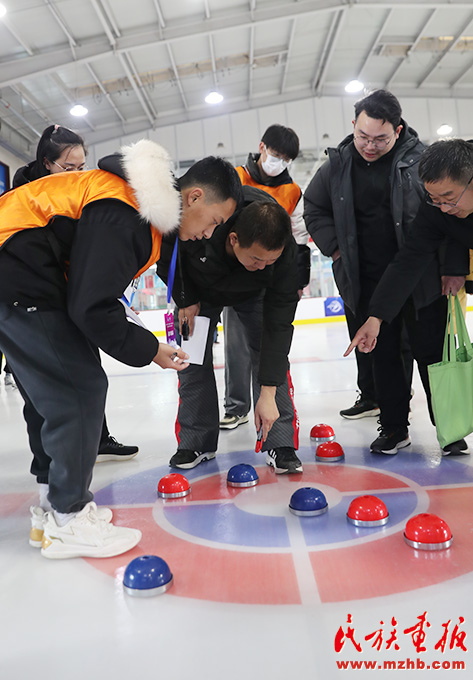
[169,326]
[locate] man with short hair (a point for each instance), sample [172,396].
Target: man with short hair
[250,264]
[64,264]
[268,171]
[446,169]
[359,208]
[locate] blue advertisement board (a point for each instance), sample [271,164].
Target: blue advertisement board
[334,306]
[4,178]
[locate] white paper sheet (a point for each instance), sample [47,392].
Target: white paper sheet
[195,346]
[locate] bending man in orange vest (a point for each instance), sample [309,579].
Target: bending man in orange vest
[70,243]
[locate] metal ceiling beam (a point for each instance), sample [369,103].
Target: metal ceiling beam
[327,52]
[37,107]
[410,50]
[18,69]
[374,44]
[112,32]
[8,25]
[214,62]
[61,23]
[43,63]
[131,79]
[160,14]
[176,76]
[18,115]
[289,48]
[251,60]
[462,74]
[446,51]
[105,93]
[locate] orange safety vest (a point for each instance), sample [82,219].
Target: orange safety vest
[287,195]
[65,194]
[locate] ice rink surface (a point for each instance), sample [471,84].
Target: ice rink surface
[257,591]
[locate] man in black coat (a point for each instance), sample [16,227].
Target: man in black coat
[446,169]
[358,209]
[250,263]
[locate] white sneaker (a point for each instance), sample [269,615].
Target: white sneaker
[10,381]
[86,535]
[38,518]
[231,422]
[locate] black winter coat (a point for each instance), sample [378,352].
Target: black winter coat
[210,275]
[330,215]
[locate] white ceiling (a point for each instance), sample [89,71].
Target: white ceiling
[141,64]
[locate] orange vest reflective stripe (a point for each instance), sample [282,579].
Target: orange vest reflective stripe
[65,194]
[287,195]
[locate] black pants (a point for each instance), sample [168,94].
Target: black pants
[197,424]
[426,330]
[58,372]
[364,362]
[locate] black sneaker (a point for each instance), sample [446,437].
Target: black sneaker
[458,448]
[362,408]
[390,441]
[283,460]
[187,459]
[113,450]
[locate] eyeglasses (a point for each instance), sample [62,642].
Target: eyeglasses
[439,204]
[71,168]
[378,143]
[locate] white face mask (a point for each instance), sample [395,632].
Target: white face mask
[273,166]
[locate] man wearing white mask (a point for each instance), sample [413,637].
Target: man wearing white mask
[268,171]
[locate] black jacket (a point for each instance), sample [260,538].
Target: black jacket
[101,251]
[427,234]
[210,275]
[28,173]
[330,216]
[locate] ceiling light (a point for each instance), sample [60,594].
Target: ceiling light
[78,110]
[354,86]
[444,129]
[214,98]
[3,10]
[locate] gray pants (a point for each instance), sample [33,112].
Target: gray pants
[237,365]
[197,424]
[59,373]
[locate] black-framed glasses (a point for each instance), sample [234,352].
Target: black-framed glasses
[439,204]
[380,143]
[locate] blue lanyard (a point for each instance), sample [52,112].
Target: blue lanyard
[172,272]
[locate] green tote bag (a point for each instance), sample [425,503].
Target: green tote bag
[451,382]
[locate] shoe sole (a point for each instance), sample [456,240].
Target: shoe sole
[56,550]
[282,471]
[233,425]
[200,459]
[365,414]
[106,457]
[459,452]
[36,538]
[393,451]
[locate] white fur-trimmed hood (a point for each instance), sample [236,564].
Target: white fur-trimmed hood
[147,167]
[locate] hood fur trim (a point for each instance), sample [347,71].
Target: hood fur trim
[147,167]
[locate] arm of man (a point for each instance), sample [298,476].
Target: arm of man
[279,308]
[318,213]
[402,275]
[301,237]
[111,244]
